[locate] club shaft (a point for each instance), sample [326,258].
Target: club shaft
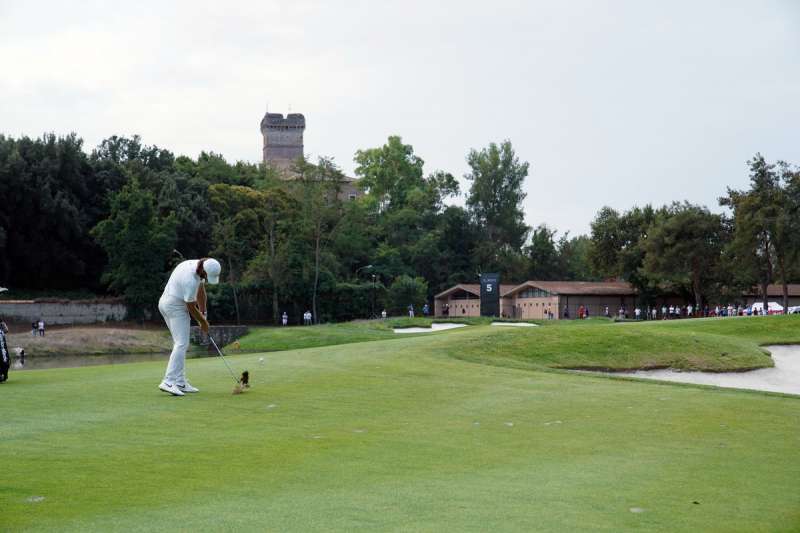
[233,375]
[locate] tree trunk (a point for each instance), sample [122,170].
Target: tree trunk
[316,276]
[274,305]
[784,284]
[235,296]
[272,275]
[767,276]
[698,298]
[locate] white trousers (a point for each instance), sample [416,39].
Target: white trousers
[177,318]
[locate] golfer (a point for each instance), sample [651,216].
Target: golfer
[185,296]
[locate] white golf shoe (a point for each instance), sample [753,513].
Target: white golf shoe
[187,387]
[170,388]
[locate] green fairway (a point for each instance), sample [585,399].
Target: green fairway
[398,435]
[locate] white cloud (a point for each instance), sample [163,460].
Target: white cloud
[612,103]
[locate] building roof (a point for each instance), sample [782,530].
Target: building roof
[592,288]
[472,288]
[296,120]
[776,289]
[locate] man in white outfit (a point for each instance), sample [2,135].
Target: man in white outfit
[185,296]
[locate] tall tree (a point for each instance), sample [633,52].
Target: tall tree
[138,244]
[763,227]
[543,255]
[495,200]
[318,199]
[273,220]
[683,248]
[617,250]
[389,172]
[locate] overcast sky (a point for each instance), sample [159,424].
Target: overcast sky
[613,103]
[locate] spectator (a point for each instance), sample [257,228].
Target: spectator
[580,312]
[34,328]
[566,312]
[425,310]
[5,356]
[22,357]
[284,319]
[605,312]
[411,310]
[41,327]
[689,310]
[586,311]
[383,313]
[654,313]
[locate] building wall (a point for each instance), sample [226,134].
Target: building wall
[282,147]
[349,191]
[596,304]
[283,138]
[750,300]
[458,307]
[63,312]
[533,308]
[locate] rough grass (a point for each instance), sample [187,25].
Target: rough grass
[394,436]
[93,341]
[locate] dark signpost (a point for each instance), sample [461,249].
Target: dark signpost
[490,294]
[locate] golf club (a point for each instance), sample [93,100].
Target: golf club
[238,388]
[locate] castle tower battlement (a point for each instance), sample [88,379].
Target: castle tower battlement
[283,138]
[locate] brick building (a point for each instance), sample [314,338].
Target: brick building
[534,299]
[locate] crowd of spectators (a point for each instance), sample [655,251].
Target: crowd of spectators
[673,312]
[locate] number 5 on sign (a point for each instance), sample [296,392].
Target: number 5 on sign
[488,287]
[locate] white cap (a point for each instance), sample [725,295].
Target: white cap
[213,270]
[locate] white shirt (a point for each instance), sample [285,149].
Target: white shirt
[183,282]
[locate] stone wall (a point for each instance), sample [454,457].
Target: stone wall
[63,311]
[222,335]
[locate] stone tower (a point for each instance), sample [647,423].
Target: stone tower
[283,138]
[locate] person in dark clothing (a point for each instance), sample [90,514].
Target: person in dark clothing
[5,357]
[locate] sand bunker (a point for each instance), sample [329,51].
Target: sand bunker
[434,327]
[784,377]
[517,324]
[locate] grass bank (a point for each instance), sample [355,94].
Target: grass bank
[391,436]
[92,340]
[271,339]
[708,344]
[702,344]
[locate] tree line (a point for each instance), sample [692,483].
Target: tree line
[117,219]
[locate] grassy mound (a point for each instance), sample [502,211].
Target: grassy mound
[392,435]
[689,345]
[707,344]
[271,339]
